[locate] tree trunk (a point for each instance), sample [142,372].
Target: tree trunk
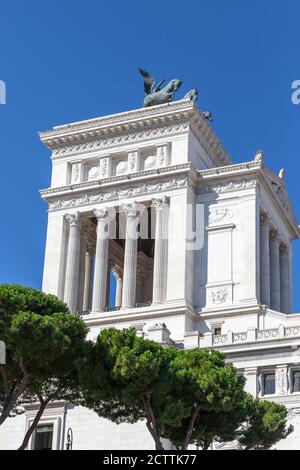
[151,422]
[43,404]
[206,445]
[14,393]
[10,400]
[190,428]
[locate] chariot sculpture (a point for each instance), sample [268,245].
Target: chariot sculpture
[155,94]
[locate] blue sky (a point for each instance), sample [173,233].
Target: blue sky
[66,60]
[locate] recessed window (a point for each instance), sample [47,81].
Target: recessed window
[269,383]
[296,381]
[217,331]
[43,437]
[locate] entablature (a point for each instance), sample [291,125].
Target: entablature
[110,189]
[135,126]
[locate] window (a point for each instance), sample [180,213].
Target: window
[43,437]
[269,383]
[296,381]
[217,331]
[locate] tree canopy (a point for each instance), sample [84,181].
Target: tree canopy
[265,426]
[42,340]
[127,378]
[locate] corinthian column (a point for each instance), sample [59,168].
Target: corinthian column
[275,271]
[73,259]
[160,253]
[82,272]
[130,257]
[119,285]
[87,280]
[285,279]
[264,261]
[101,261]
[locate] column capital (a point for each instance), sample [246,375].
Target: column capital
[100,214]
[159,203]
[117,272]
[74,219]
[264,220]
[131,209]
[274,236]
[284,251]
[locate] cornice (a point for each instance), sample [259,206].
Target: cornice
[143,313]
[86,194]
[184,168]
[104,141]
[246,175]
[230,184]
[121,118]
[278,189]
[133,126]
[220,172]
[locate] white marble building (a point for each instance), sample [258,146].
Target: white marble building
[229,289]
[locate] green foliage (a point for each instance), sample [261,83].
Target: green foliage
[266,425]
[42,341]
[204,385]
[126,378]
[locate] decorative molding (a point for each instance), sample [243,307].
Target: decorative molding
[218,214]
[293,413]
[180,105]
[121,167]
[281,381]
[92,144]
[92,198]
[133,126]
[150,162]
[230,185]
[277,186]
[132,161]
[219,296]
[229,169]
[120,179]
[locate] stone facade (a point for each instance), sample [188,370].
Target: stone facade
[215,272]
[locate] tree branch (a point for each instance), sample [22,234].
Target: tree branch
[32,427]
[14,393]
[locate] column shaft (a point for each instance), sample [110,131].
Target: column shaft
[82,272]
[130,258]
[87,281]
[117,272]
[264,261]
[119,288]
[73,259]
[285,279]
[101,263]
[275,272]
[159,274]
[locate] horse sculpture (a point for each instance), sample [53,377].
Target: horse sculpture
[154,93]
[157,95]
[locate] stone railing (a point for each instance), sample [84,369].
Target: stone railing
[193,339]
